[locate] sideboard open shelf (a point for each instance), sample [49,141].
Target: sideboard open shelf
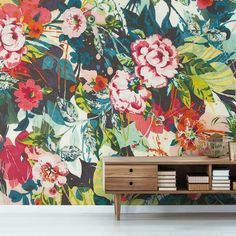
[139,175]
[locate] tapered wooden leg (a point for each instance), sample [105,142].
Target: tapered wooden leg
[117,199]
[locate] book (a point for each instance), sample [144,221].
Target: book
[220,177]
[198,187]
[234,185]
[168,177]
[221,185]
[166,180]
[221,181]
[220,172]
[164,173]
[167,185]
[220,188]
[167,189]
[197,178]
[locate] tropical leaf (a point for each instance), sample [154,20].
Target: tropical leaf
[80,100]
[221,79]
[6,81]
[125,60]
[32,54]
[200,88]
[111,139]
[197,46]
[98,181]
[66,70]
[67,110]
[139,32]
[185,2]
[183,90]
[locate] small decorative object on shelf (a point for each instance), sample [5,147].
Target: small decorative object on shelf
[215,146]
[231,123]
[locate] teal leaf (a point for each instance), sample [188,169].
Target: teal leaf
[22,125]
[99,200]
[25,200]
[29,186]
[55,113]
[15,196]
[48,63]
[66,70]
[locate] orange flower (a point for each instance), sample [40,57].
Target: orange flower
[100,83]
[36,29]
[189,129]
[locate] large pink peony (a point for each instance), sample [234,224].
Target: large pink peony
[156,60]
[74,22]
[12,42]
[127,94]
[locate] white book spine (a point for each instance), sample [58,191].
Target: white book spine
[167,189]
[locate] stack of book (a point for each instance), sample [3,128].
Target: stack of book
[198,181]
[220,179]
[167,180]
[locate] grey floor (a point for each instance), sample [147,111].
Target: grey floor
[103,224]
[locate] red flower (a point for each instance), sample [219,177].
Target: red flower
[17,169]
[20,70]
[38,201]
[28,95]
[100,83]
[189,129]
[155,125]
[202,4]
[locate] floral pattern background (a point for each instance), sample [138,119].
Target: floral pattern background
[84,79]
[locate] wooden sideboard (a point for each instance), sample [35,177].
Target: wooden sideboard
[134,175]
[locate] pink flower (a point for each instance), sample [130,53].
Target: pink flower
[127,94]
[156,60]
[12,42]
[50,170]
[17,168]
[74,22]
[28,95]
[10,10]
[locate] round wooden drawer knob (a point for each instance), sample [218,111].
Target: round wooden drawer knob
[131,183]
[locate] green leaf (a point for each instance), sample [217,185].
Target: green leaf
[80,100]
[47,90]
[112,140]
[174,142]
[185,2]
[32,54]
[196,45]
[125,60]
[200,88]
[140,33]
[183,90]
[131,132]
[194,65]
[221,79]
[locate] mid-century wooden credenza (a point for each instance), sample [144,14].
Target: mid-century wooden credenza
[134,175]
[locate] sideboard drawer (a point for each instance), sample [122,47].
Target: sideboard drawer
[130,170]
[131,184]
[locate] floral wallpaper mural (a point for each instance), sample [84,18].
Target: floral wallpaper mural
[84,79]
